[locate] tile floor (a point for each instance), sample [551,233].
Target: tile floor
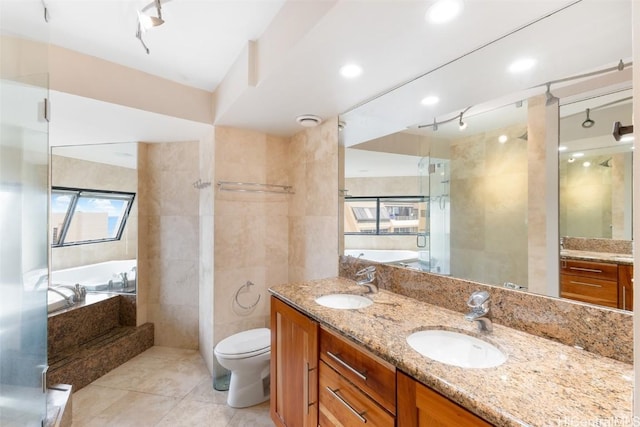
[164,387]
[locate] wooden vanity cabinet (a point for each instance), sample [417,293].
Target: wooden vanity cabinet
[592,282]
[294,367]
[625,287]
[419,406]
[356,387]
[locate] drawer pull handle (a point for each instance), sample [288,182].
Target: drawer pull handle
[307,391]
[590,270]
[593,285]
[345,403]
[362,376]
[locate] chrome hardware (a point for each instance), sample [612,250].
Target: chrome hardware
[593,285]
[479,304]
[369,274]
[590,270]
[347,404]
[362,376]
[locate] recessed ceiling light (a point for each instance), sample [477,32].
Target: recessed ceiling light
[571,160]
[444,11]
[502,139]
[586,164]
[521,65]
[430,100]
[350,71]
[578,154]
[627,138]
[562,148]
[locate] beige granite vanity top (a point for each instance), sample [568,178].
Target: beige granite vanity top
[623,259]
[542,383]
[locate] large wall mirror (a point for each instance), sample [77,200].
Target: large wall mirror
[99,250]
[483,184]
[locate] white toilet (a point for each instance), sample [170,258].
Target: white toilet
[247,355]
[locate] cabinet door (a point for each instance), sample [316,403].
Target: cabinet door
[419,406]
[625,287]
[294,367]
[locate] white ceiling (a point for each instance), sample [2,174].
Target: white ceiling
[391,40]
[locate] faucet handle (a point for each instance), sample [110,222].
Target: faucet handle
[367,270]
[478,299]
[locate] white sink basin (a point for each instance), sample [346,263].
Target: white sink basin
[344,301]
[456,349]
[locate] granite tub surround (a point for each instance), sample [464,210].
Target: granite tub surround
[86,342]
[603,331]
[541,383]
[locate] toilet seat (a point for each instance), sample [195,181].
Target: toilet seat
[242,345]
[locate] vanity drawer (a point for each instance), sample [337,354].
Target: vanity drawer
[343,404]
[587,289]
[597,270]
[373,375]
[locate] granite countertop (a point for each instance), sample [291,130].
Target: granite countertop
[542,383]
[579,255]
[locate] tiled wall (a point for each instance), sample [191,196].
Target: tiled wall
[170,287]
[69,172]
[313,209]
[489,207]
[250,229]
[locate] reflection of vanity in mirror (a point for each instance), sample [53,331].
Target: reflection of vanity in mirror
[596,201]
[473,188]
[97,246]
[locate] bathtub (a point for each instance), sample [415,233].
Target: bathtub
[386,256]
[104,276]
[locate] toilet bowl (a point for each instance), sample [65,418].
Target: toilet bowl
[247,355]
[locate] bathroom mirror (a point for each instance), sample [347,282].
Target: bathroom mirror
[596,196]
[104,172]
[483,215]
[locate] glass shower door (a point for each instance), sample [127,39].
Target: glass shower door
[439,218]
[23,250]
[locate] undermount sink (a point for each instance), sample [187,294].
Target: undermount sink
[457,349]
[344,301]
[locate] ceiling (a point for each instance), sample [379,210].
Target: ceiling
[302,46]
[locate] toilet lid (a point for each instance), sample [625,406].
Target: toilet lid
[251,341]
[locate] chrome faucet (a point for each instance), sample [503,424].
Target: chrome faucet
[369,274]
[479,304]
[79,292]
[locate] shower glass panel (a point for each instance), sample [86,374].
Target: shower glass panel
[439,216]
[23,250]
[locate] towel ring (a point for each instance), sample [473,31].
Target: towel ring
[248,286]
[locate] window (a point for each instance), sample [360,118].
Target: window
[385,215]
[81,216]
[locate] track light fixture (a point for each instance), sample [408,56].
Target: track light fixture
[461,125]
[435,125]
[146,22]
[550,97]
[619,131]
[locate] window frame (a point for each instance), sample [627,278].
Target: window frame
[76,194]
[379,200]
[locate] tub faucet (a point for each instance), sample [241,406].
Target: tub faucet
[369,274]
[479,304]
[79,292]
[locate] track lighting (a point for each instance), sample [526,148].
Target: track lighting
[550,98]
[435,125]
[588,122]
[461,125]
[619,131]
[146,22]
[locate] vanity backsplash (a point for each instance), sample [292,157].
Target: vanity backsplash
[598,245]
[604,331]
